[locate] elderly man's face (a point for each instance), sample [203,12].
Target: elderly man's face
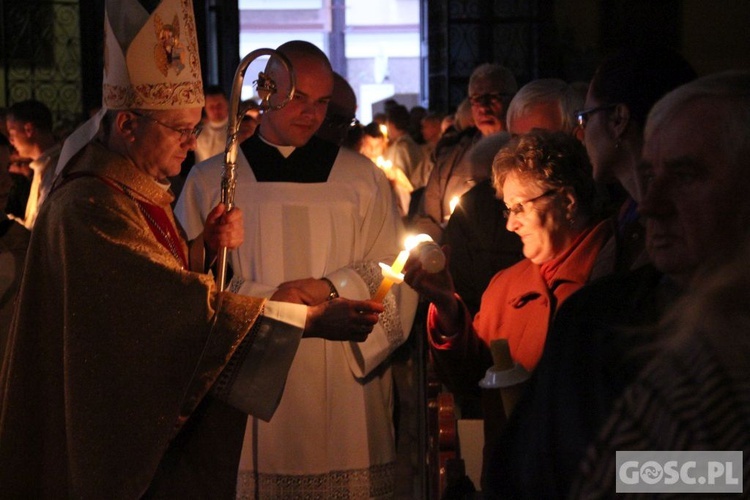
[159,147]
[488,107]
[694,197]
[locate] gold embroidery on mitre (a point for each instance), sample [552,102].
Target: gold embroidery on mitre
[168,51]
[173,80]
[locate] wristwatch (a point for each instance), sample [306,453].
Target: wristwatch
[332,292]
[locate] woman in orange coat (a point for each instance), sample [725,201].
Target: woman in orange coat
[545,180]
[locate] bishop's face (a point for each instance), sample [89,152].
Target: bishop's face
[297,122]
[162,139]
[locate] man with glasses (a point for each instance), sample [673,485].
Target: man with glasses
[491,87]
[185,133]
[126,375]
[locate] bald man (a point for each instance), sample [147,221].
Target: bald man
[320,218]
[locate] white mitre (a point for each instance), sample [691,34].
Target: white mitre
[151,61]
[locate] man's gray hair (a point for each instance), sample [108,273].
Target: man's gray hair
[498,77]
[728,91]
[568,98]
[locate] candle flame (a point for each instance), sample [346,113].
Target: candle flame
[384,130]
[392,274]
[453,203]
[412,241]
[383,163]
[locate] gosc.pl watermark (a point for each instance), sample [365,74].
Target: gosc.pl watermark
[679,472]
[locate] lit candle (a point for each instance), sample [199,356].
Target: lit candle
[392,274]
[453,203]
[386,166]
[451,207]
[384,130]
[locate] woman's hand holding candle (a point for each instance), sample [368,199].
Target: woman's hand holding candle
[436,287]
[430,256]
[392,274]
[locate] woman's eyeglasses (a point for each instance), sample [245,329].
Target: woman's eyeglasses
[518,209]
[584,115]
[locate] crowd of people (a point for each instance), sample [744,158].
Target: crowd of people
[598,229]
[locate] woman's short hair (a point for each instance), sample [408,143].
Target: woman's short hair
[553,160]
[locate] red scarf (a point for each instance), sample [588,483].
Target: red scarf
[548,270]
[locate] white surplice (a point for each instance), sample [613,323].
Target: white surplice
[333,430]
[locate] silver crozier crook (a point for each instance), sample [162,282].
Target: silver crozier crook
[266,89]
